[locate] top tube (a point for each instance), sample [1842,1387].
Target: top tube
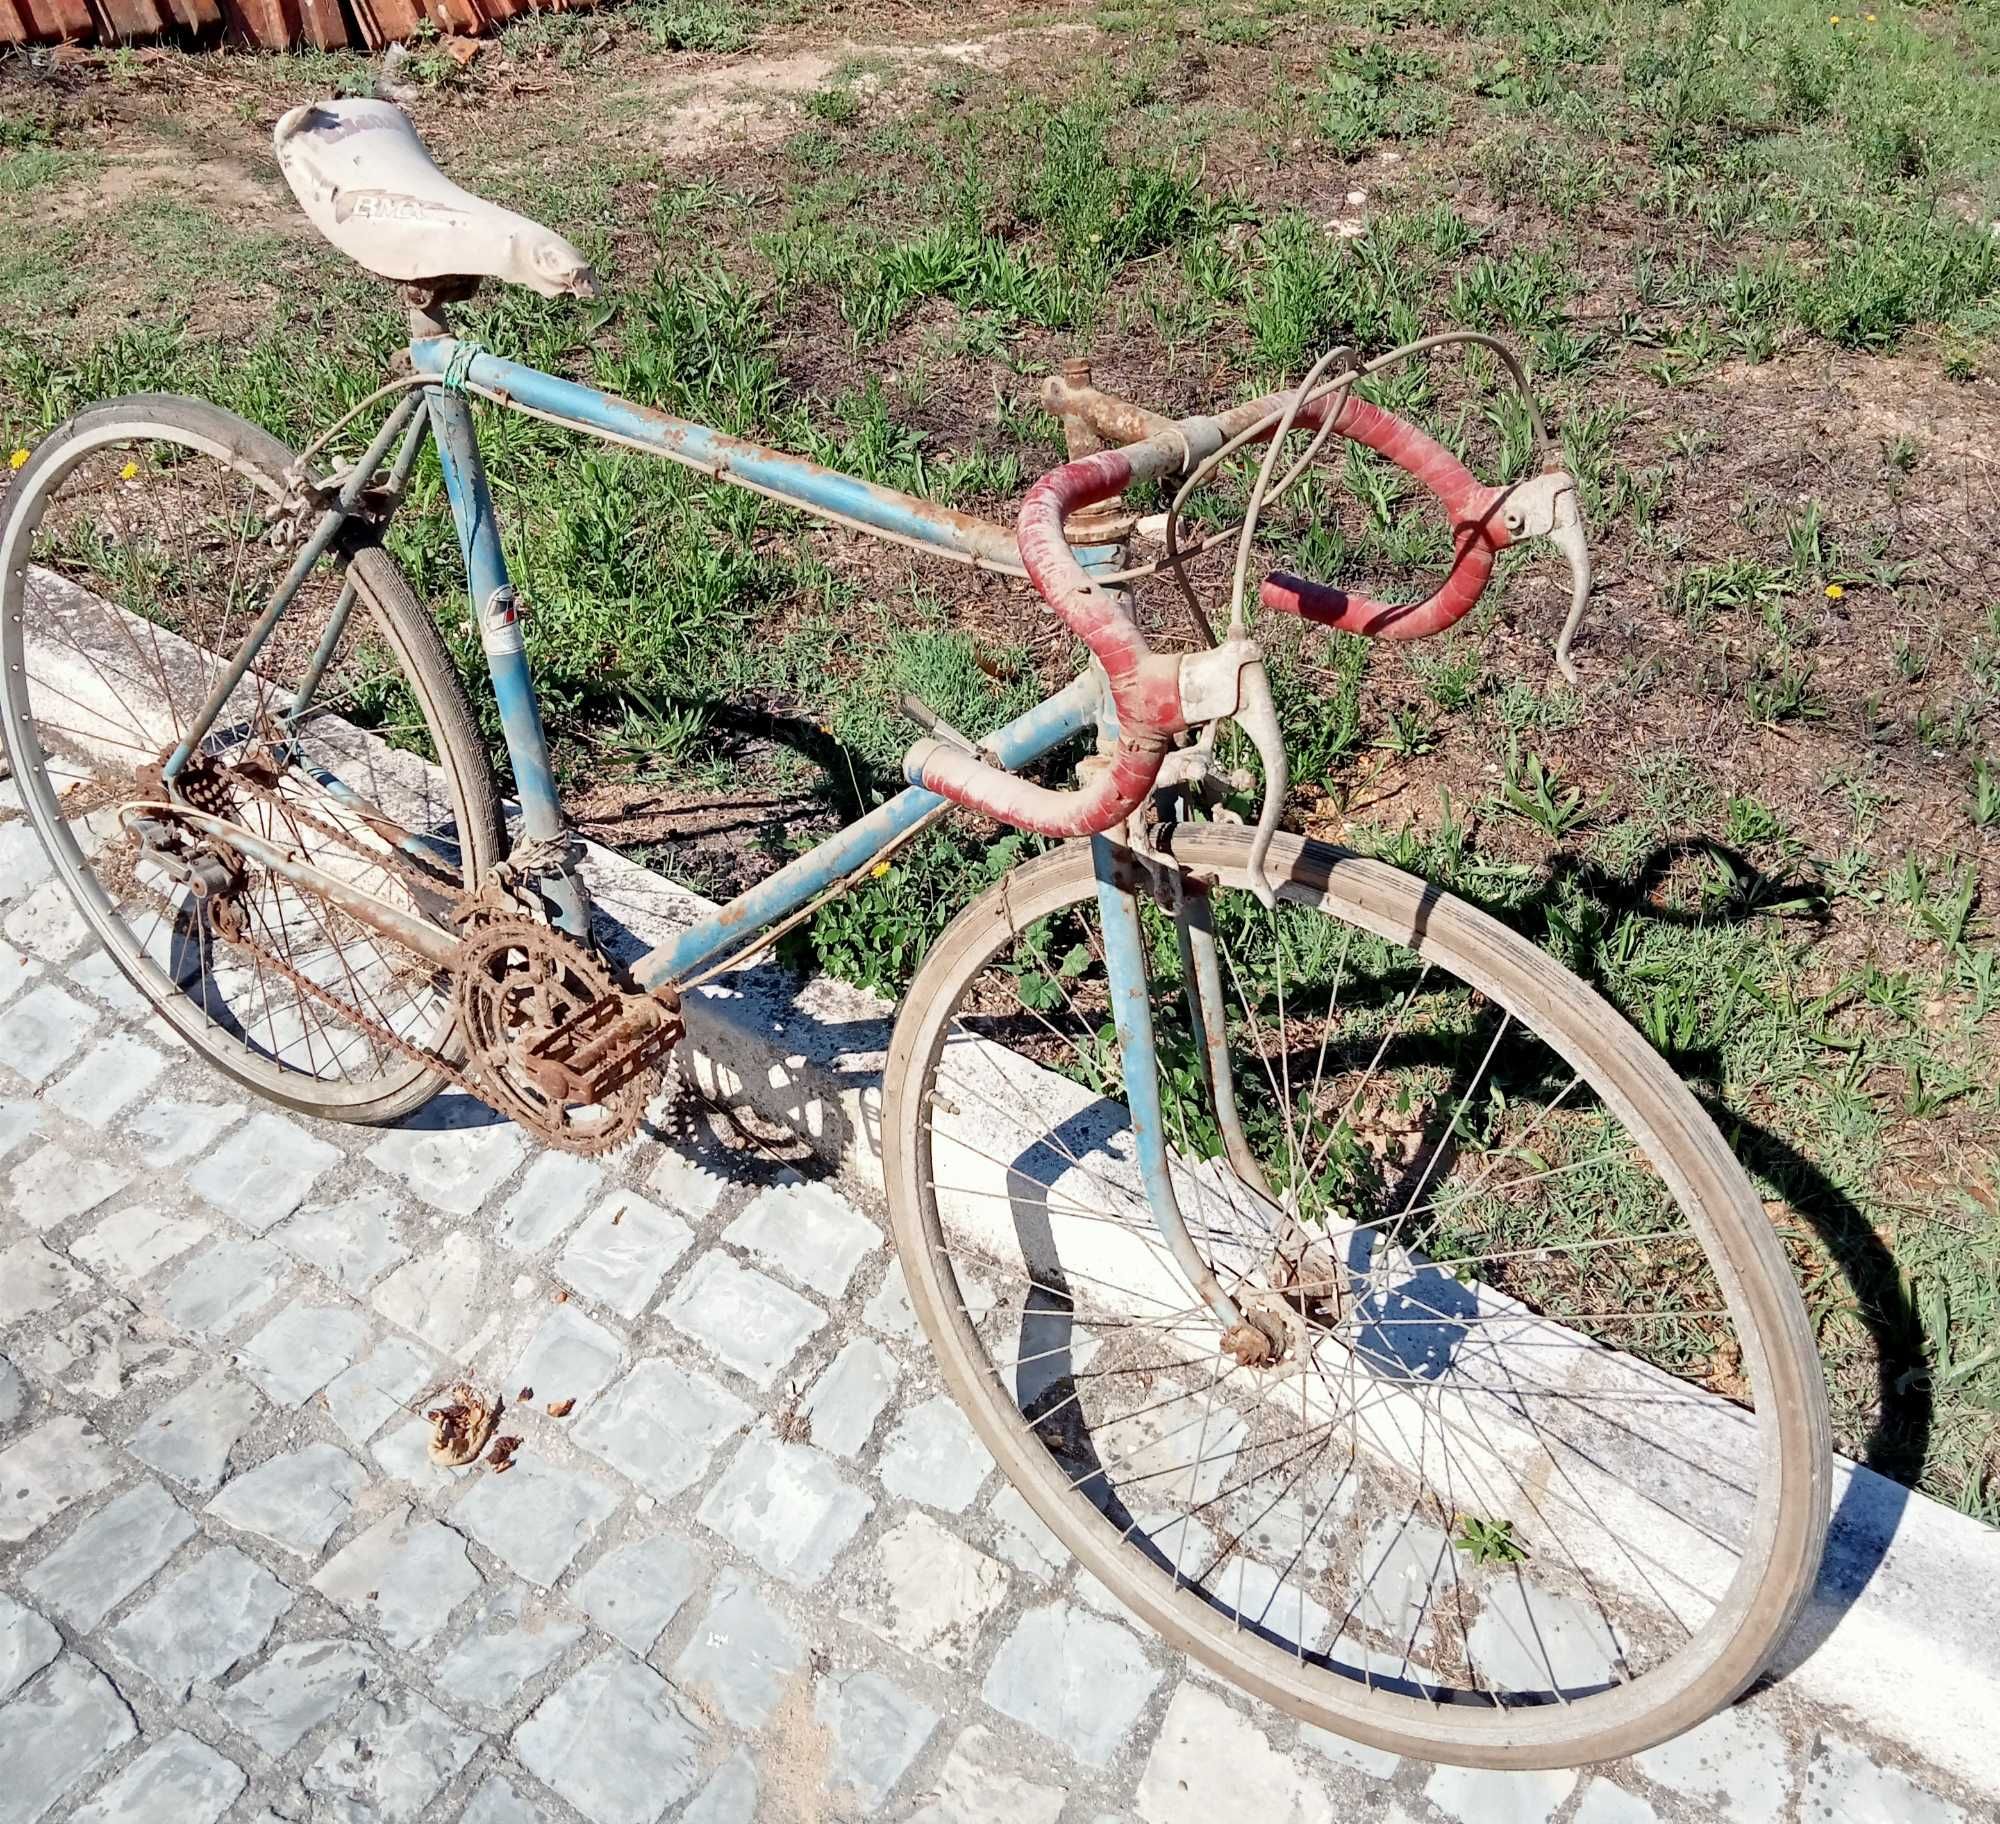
[792,480]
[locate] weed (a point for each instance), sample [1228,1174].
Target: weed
[1489,1541]
[1534,792]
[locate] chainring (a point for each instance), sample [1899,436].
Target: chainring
[516,981]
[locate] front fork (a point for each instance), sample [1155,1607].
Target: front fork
[1122,879]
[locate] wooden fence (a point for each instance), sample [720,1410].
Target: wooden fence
[271,24]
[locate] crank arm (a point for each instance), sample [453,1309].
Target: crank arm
[435,946]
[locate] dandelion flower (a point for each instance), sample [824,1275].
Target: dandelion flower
[1834,592]
[128,472]
[1833,18]
[17,459]
[878,870]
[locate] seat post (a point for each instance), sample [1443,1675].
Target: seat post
[427,299]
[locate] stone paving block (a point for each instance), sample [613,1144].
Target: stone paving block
[110,1555]
[47,924]
[16,971]
[263,1171]
[981,1784]
[570,1357]
[113,1075]
[848,1398]
[730,1797]
[217,1290]
[18,1123]
[61,1727]
[24,863]
[1604,1803]
[498,1803]
[13,1392]
[536,1517]
[173,1130]
[635,1590]
[362,1400]
[934,1456]
[1845,1785]
[42,1030]
[613,1742]
[129,1243]
[749,1321]
[301,1349]
[49,1471]
[1212,1762]
[178,1778]
[889,1309]
[623,1252]
[661,1425]
[108,1350]
[27,1644]
[877,1730]
[1022,1537]
[511,1641]
[437,1296]
[297,1687]
[1735,1764]
[352,1243]
[97,975]
[787,1507]
[1528,1639]
[52,1185]
[1376,1763]
[687,1184]
[1478,1795]
[1075,1677]
[405,1574]
[297,1500]
[453,1153]
[808,1232]
[554,1192]
[34,1278]
[743,1655]
[927,1591]
[190,1438]
[218,1611]
[388,1761]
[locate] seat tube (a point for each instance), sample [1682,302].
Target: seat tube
[496,617]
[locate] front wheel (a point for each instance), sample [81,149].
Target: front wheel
[1539,1472]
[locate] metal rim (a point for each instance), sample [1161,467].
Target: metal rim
[1776,1568]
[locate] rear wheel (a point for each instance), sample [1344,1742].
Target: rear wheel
[1539,1474]
[139,544]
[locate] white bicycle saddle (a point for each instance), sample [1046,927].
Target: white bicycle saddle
[369,184]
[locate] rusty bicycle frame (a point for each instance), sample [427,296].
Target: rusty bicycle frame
[1070,543]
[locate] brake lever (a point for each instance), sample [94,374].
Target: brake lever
[1230,681]
[1546,507]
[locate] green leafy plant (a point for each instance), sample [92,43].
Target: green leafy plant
[1489,1541]
[1534,792]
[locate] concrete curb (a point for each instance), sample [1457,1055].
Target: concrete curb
[1903,1634]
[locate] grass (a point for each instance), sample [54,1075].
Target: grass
[1747,250]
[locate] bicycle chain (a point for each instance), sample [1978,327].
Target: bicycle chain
[469,908]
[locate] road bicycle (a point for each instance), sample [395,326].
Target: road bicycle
[1347,1286]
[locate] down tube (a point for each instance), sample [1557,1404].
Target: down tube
[1027,738]
[499,626]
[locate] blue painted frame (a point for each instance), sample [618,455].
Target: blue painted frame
[461,366]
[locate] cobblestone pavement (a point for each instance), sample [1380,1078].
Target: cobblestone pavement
[760,1569]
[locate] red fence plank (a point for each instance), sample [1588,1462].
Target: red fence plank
[13,22]
[55,21]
